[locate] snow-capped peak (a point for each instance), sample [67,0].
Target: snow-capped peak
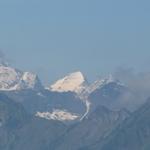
[13,79]
[74,82]
[29,81]
[9,77]
[100,83]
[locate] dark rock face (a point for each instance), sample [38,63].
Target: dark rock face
[133,133]
[102,129]
[18,130]
[98,125]
[45,100]
[111,95]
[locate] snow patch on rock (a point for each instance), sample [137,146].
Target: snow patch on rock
[61,115]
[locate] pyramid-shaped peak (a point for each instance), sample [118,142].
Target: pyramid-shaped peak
[74,82]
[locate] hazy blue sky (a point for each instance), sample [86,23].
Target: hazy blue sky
[54,37]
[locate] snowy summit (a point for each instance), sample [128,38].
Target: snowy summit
[74,82]
[13,79]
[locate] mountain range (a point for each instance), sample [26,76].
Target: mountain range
[70,114]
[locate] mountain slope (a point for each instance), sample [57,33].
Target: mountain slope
[11,113]
[38,134]
[98,125]
[111,94]
[46,102]
[18,130]
[12,117]
[133,133]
